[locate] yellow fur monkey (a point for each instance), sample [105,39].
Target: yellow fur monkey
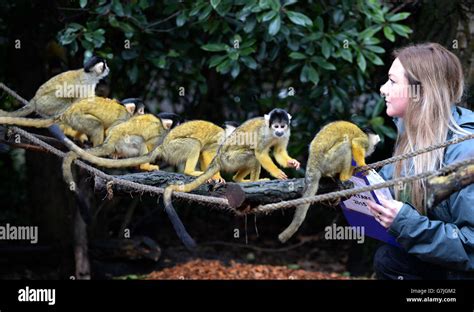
[243,152]
[91,116]
[330,154]
[59,92]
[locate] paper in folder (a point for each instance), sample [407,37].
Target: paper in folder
[356,212]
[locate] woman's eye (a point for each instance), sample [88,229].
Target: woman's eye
[391,81]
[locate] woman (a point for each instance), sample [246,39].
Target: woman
[424,83]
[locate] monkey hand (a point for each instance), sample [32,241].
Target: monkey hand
[280,175]
[293,163]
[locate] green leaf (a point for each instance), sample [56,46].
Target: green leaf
[402,30]
[377,121]
[250,25]
[297,56]
[313,75]
[346,54]
[274,27]
[247,51]
[323,63]
[299,18]
[275,5]
[181,19]
[375,49]
[389,132]
[75,26]
[373,58]
[361,62]
[214,47]
[205,14]
[117,8]
[224,67]
[216,60]
[159,62]
[379,106]
[235,70]
[249,62]
[234,55]
[83,3]
[248,43]
[325,48]
[215,3]
[388,32]
[264,4]
[304,73]
[398,17]
[268,16]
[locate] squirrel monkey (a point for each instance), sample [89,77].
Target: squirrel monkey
[59,92]
[244,152]
[91,116]
[330,154]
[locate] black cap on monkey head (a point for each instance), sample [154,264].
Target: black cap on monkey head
[177,119]
[91,62]
[278,115]
[137,103]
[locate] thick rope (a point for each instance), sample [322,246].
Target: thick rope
[13,93]
[347,193]
[414,153]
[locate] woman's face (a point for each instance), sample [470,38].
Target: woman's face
[395,90]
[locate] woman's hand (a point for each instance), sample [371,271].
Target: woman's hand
[385,213]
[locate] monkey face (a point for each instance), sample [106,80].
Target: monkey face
[96,66]
[374,139]
[279,129]
[279,122]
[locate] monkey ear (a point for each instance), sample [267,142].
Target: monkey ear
[289,116]
[130,107]
[167,123]
[99,67]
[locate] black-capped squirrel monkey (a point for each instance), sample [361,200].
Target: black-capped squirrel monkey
[90,117]
[59,92]
[244,152]
[330,155]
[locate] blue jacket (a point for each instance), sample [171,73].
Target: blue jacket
[446,236]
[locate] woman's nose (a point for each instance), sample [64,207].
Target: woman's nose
[383,90]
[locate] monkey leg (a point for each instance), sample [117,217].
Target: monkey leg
[184,149]
[241,174]
[89,125]
[147,166]
[205,160]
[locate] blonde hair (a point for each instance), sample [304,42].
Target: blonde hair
[437,73]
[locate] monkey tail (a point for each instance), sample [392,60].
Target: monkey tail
[105,162]
[310,188]
[27,122]
[79,197]
[173,216]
